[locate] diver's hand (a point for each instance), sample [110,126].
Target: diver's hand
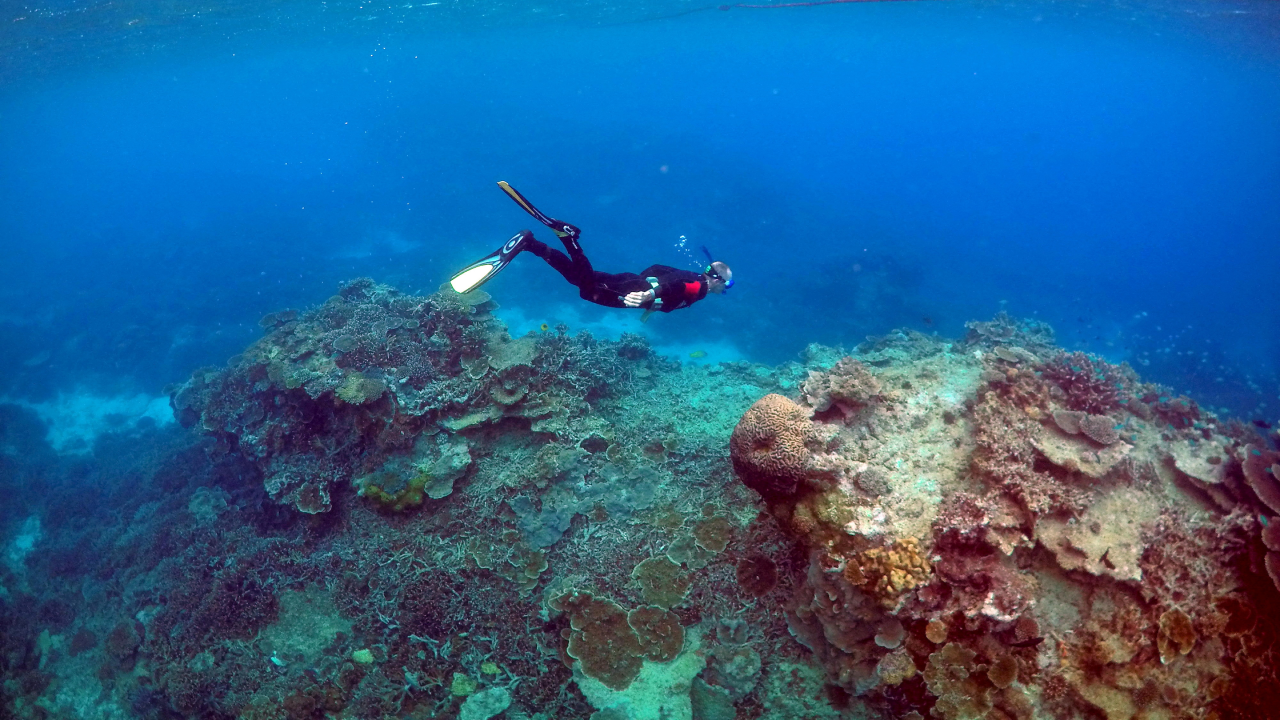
[637,299]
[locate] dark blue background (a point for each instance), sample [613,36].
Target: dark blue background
[862,167]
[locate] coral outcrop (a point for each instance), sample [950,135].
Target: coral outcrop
[997,528]
[336,392]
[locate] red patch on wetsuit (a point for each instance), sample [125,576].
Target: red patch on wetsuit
[691,290]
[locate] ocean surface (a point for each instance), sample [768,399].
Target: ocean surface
[171,173]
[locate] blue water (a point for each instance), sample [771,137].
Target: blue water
[165,180]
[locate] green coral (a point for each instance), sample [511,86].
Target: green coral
[401,484]
[358,389]
[373,487]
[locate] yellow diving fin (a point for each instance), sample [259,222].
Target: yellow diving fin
[483,270]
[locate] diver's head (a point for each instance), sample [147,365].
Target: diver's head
[719,276]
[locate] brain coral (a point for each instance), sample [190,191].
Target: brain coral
[768,447]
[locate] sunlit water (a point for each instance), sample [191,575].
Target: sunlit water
[168,176]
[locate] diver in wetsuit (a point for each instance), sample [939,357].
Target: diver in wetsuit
[658,289]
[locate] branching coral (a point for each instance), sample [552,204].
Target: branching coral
[1006,458]
[975,580]
[1188,564]
[1089,384]
[847,387]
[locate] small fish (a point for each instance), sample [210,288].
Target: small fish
[928,321]
[1027,643]
[544,327]
[1262,424]
[698,354]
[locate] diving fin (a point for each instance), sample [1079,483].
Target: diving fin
[562,229]
[483,270]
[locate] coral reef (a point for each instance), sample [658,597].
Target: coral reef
[389,507]
[991,534]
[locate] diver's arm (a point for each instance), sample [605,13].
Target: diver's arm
[638,299]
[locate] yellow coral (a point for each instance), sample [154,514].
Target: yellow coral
[896,667]
[889,572]
[374,487]
[1177,635]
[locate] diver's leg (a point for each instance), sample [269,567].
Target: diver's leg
[600,290]
[576,268]
[571,269]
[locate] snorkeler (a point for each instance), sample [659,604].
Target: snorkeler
[658,289]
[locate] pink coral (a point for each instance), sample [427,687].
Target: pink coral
[1260,466]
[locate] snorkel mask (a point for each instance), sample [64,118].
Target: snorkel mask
[711,270]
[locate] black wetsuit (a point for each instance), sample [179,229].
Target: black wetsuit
[676,288]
